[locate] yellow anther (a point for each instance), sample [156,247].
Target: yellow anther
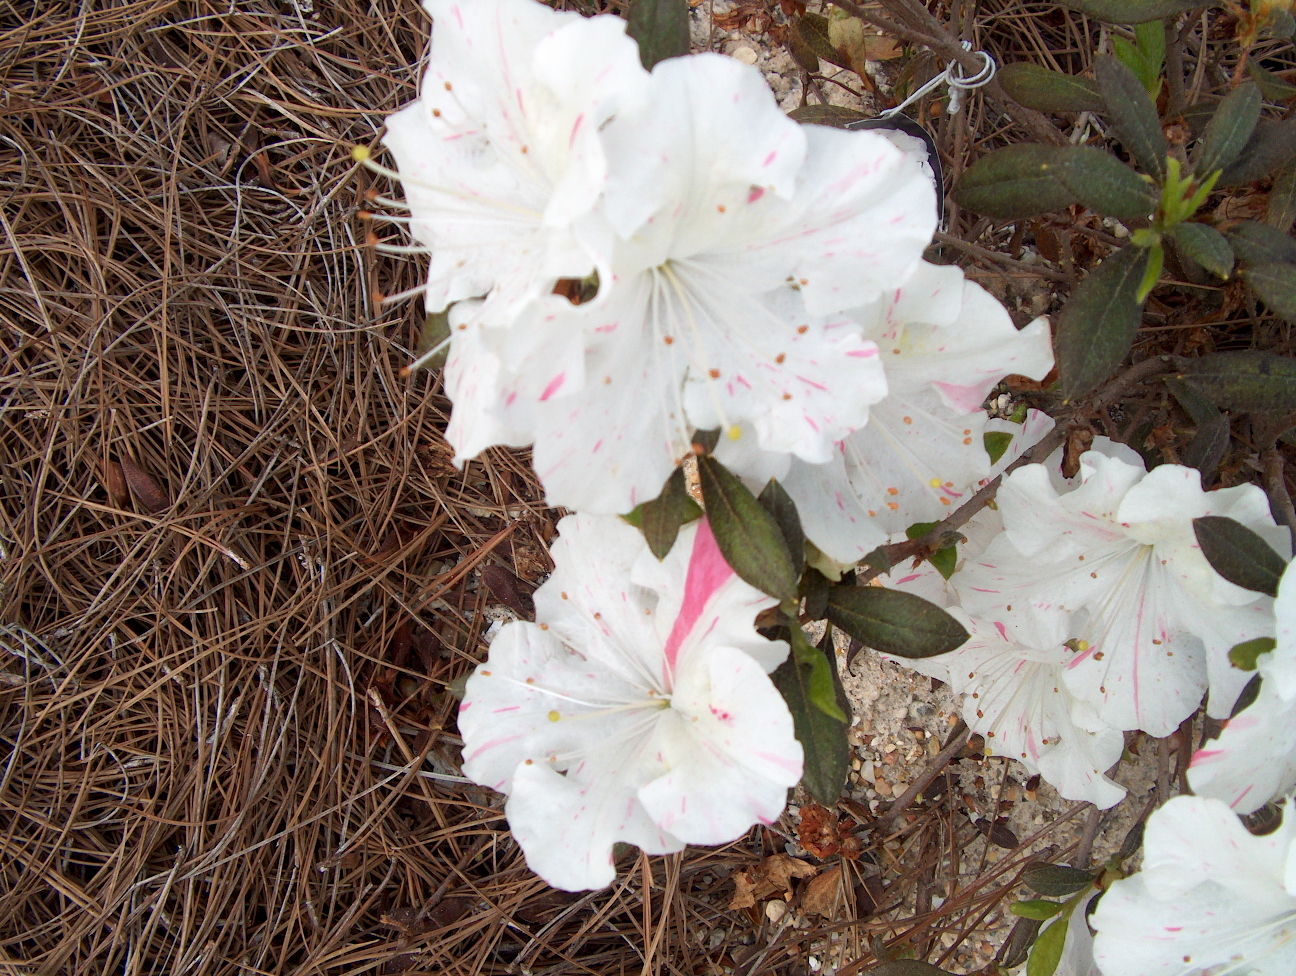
[554,716]
[360,154]
[734,432]
[935,482]
[1082,645]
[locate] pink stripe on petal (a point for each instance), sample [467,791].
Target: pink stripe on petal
[553,386]
[707,572]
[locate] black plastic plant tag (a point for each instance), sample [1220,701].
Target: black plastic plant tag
[902,123]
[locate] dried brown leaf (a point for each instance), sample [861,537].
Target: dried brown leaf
[144,488]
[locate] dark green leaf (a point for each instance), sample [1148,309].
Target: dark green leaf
[705,441]
[1249,380]
[813,30]
[907,967]
[1106,185]
[1272,86]
[838,116]
[1014,182]
[822,737]
[819,672]
[817,587]
[996,442]
[1049,91]
[662,517]
[779,504]
[1238,554]
[1035,908]
[1020,939]
[1250,692]
[1257,243]
[1046,953]
[1272,145]
[1281,211]
[1205,245]
[1132,842]
[1056,880]
[893,621]
[1260,244]
[802,53]
[1097,325]
[1207,448]
[1197,406]
[1133,116]
[436,330]
[1244,656]
[1275,283]
[661,27]
[1229,130]
[747,535]
[1135,11]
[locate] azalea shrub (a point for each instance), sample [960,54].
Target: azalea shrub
[714,327]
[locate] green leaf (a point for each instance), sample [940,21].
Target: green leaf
[1046,953]
[1272,86]
[1056,880]
[1152,274]
[436,330]
[1015,182]
[1130,56]
[705,441]
[662,517]
[1205,245]
[1271,146]
[838,116]
[893,621]
[822,737]
[1096,327]
[1135,11]
[945,559]
[1229,130]
[661,27]
[1257,243]
[1208,446]
[906,967]
[1281,211]
[1020,938]
[780,505]
[813,31]
[1132,113]
[1132,842]
[1104,184]
[1151,38]
[1249,380]
[1243,656]
[747,535]
[996,442]
[802,53]
[1036,908]
[1049,91]
[1238,554]
[1275,283]
[819,673]
[817,587]
[1250,692]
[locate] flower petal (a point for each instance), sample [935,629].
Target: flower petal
[730,751]
[1254,758]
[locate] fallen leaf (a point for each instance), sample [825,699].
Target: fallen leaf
[115,484]
[773,876]
[822,894]
[781,869]
[1078,441]
[144,488]
[509,590]
[817,831]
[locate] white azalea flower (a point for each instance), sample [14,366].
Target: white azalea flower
[945,342]
[500,157]
[1211,899]
[1279,666]
[1121,546]
[737,236]
[1254,759]
[638,709]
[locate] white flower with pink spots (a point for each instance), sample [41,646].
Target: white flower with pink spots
[637,709]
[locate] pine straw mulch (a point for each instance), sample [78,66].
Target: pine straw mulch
[239,571]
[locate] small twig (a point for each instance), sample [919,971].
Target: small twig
[958,738]
[1085,849]
[1275,483]
[978,251]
